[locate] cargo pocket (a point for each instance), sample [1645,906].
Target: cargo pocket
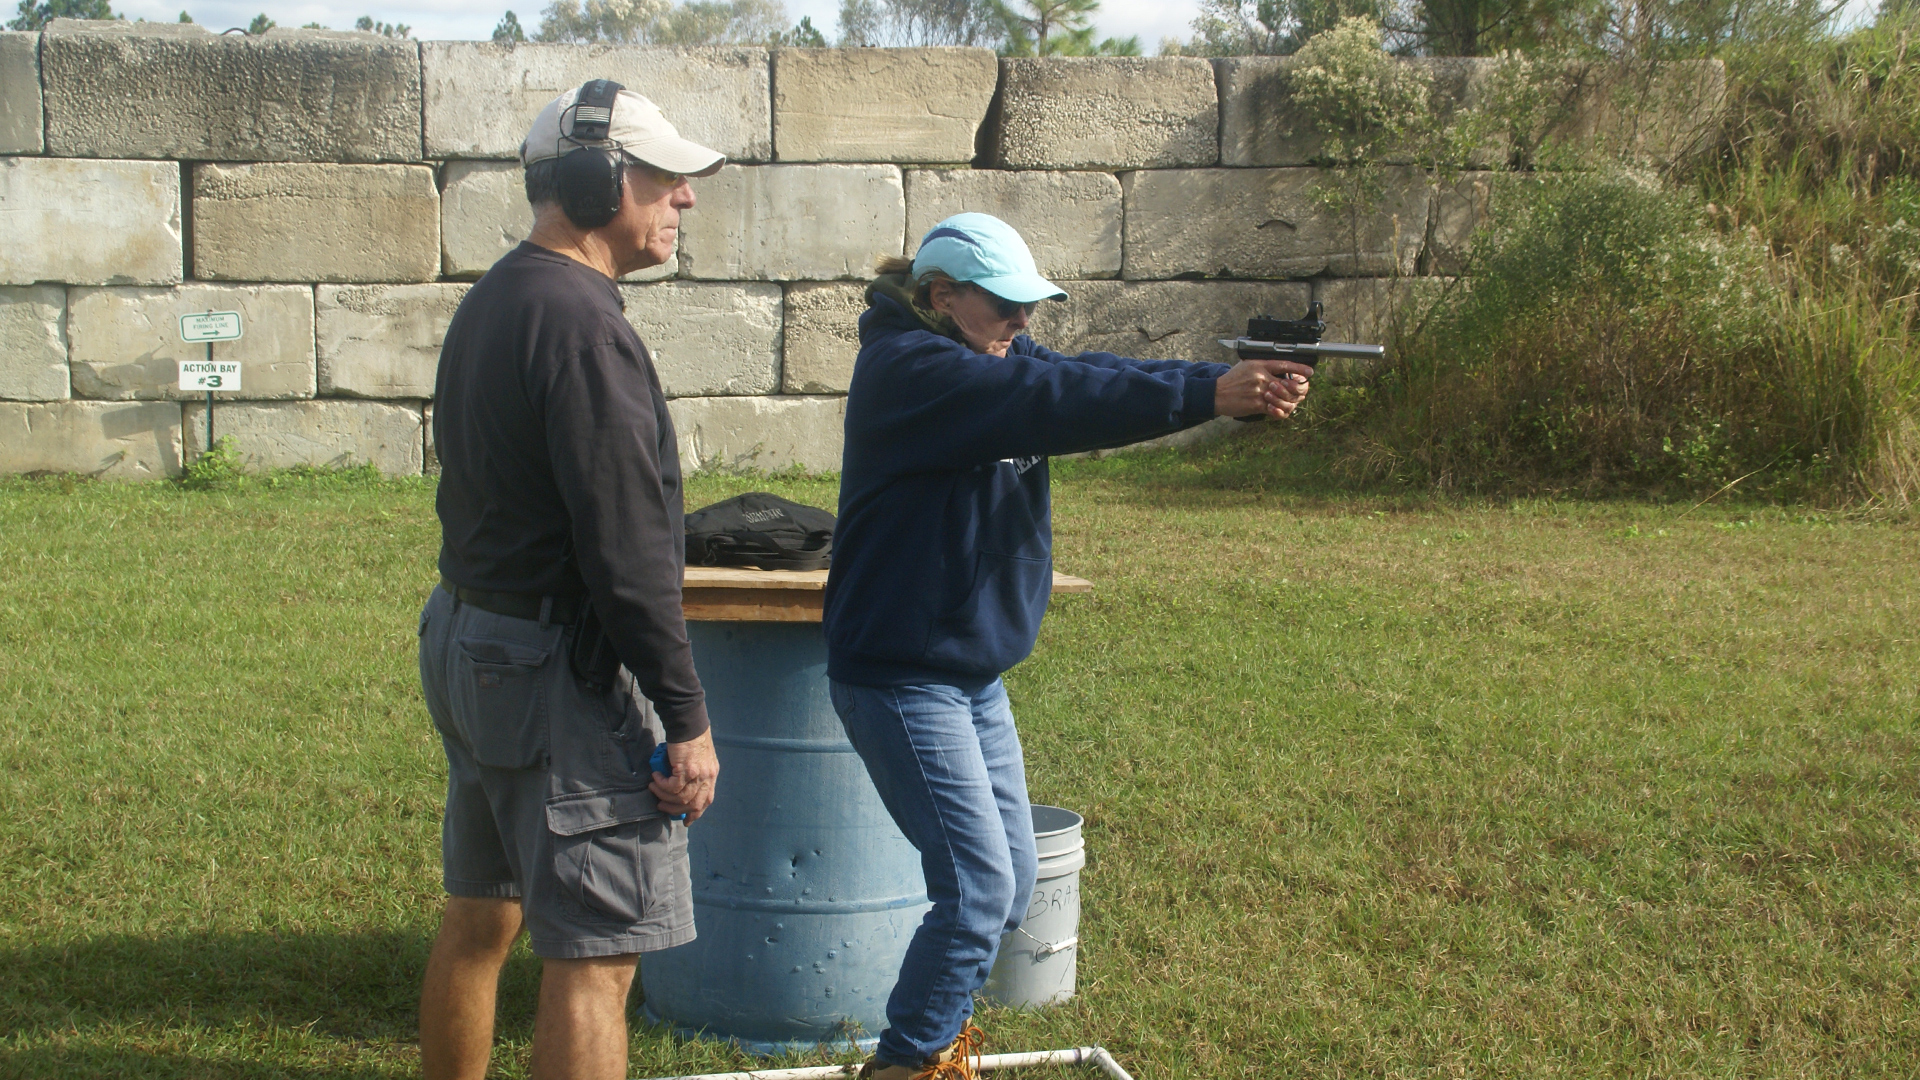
[499,700]
[601,855]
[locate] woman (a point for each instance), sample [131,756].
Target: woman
[942,567]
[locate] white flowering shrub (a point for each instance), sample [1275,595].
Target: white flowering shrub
[1370,108]
[1368,104]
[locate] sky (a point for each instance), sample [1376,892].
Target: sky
[443,20]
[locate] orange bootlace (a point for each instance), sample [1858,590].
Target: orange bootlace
[961,1059]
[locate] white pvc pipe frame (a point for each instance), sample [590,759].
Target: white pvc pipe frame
[1096,1056]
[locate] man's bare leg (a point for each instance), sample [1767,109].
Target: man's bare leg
[580,1032]
[463,978]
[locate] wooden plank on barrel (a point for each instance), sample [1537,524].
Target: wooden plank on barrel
[751,605]
[747,577]
[1065,583]
[745,594]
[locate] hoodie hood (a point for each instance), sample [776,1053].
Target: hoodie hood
[900,289]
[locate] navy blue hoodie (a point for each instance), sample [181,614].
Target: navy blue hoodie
[943,552]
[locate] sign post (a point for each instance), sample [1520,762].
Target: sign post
[209,375]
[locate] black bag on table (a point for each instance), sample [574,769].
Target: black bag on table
[763,530]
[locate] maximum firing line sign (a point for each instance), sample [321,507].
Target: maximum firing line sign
[209,375]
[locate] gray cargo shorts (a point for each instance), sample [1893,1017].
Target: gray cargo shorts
[547,794]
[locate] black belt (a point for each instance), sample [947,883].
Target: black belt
[563,609]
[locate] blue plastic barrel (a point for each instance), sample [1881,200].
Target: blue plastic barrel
[805,894]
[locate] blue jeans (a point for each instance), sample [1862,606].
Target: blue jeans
[946,761]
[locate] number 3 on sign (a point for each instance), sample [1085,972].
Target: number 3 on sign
[205,375]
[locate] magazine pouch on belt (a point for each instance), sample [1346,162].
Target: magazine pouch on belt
[763,530]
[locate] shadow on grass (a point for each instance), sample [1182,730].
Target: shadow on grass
[190,1002]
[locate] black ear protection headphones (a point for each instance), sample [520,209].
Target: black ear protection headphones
[592,177]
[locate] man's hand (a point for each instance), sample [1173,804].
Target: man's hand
[1261,387]
[689,790]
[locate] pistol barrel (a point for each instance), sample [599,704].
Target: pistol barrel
[1246,346]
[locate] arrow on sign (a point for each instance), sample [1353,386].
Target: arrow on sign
[210,326]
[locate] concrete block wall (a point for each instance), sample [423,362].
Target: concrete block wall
[342,190]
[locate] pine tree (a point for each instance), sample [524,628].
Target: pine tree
[366,25]
[508,32]
[36,16]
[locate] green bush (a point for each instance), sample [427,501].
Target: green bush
[1818,156]
[1609,336]
[1748,317]
[220,469]
[217,468]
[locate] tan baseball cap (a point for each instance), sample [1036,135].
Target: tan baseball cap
[638,127]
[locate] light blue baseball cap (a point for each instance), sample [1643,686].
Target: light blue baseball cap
[986,251]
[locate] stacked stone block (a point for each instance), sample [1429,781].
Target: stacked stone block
[821,336]
[181,92]
[298,222]
[85,222]
[123,343]
[283,434]
[22,113]
[133,440]
[1107,113]
[33,343]
[481,97]
[342,191]
[1071,220]
[382,341]
[709,339]
[912,105]
[793,222]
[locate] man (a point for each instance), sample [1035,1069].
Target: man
[561,530]
[942,566]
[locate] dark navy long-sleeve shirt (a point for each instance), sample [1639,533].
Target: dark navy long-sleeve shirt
[560,475]
[943,552]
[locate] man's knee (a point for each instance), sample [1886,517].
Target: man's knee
[590,977]
[480,925]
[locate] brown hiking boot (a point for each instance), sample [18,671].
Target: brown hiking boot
[957,1062]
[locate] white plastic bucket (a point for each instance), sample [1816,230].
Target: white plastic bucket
[1037,962]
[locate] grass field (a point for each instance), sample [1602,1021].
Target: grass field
[1375,785]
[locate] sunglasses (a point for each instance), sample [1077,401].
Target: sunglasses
[660,176]
[1006,308]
